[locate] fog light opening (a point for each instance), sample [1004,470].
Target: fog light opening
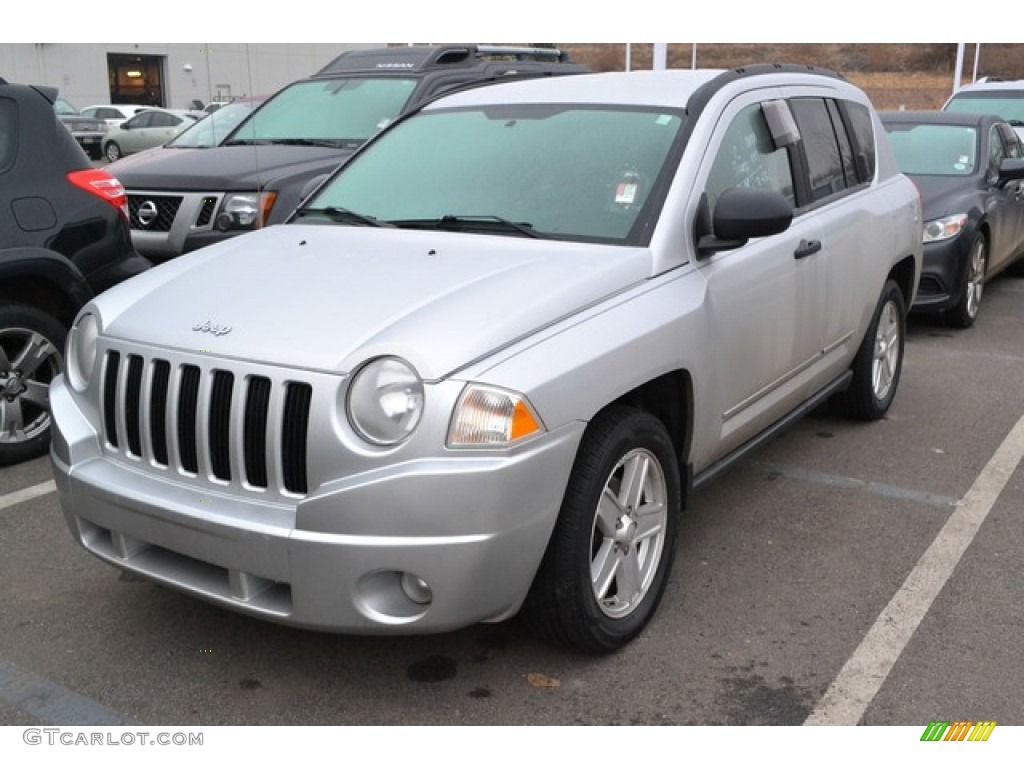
[416,589]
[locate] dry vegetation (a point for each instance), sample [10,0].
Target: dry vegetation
[911,75]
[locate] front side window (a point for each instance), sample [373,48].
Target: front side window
[583,173]
[346,111]
[747,157]
[996,152]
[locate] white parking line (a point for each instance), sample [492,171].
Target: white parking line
[860,679]
[33,491]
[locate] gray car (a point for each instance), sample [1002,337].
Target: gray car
[481,368]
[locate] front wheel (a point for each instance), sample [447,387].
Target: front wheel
[112,151]
[965,312]
[877,366]
[30,357]
[609,558]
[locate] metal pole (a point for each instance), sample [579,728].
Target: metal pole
[660,56]
[977,55]
[693,56]
[959,67]
[629,56]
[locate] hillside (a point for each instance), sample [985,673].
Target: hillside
[895,75]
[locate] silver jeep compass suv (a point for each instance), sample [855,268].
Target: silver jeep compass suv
[480,369]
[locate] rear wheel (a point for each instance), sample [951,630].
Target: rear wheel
[31,344]
[877,366]
[609,558]
[112,151]
[965,312]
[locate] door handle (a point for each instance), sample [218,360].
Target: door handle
[806,248]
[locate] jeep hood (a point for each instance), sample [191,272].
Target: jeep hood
[222,169]
[330,297]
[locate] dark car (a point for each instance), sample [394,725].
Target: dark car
[88,131]
[63,238]
[184,200]
[968,168]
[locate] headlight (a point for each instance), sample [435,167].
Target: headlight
[81,352]
[245,210]
[944,228]
[385,401]
[489,417]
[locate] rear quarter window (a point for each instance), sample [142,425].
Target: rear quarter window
[8,133]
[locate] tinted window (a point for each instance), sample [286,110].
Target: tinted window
[862,134]
[824,161]
[8,133]
[747,158]
[996,153]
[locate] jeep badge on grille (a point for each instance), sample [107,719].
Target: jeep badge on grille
[208,327]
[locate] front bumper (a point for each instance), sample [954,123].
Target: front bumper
[943,272]
[332,560]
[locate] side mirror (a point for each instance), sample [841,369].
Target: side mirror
[740,214]
[1011,168]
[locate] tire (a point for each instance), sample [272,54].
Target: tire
[112,151]
[31,354]
[965,312]
[877,366]
[610,555]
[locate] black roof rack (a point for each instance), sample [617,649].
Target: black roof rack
[419,58]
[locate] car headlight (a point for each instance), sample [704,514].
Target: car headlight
[489,417]
[385,401]
[245,210]
[944,228]
[81,351]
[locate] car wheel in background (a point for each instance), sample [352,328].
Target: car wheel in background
[112,151]
[611,552]
[31,355]
[965,312]
[877,366]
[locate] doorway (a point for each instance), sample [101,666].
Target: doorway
[136,79]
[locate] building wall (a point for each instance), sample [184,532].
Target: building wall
[191,70]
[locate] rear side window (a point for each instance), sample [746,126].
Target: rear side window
[862,133]
[8,133]
[824,156]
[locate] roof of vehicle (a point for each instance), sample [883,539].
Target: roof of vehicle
[991,84]
[937,117]
[669,87]
[429,58]
[129,108]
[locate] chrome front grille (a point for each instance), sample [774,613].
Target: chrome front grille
[246,431]
[165,207]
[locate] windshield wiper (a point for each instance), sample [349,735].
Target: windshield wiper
[345,216]
[485,223]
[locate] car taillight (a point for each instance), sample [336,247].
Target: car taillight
[101,184]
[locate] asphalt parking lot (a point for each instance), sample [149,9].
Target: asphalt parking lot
[847,573]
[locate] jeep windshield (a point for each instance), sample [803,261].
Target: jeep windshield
[584,173]
[342,112]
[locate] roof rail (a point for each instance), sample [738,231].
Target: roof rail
[522,52]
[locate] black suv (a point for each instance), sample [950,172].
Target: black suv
[63,238]
[184,199]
